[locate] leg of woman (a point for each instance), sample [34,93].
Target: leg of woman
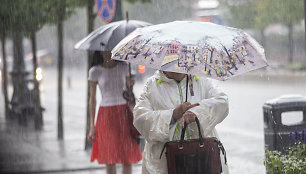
[127,169]
[111,168]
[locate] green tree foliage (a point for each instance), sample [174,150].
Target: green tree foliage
[288,11]
[24,15]
[264,13]
[37,15]
[249,14]
[241,13]
[259,14]
[5,21]
[67,8]
[160,11]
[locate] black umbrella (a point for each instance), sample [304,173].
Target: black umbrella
[106,37]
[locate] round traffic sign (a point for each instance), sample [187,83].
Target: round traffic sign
[106,9]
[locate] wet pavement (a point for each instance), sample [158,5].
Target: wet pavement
[24,150]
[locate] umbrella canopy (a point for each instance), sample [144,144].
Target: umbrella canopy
[107,36]
[198,48]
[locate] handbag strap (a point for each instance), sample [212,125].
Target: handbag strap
[199,130]
[221,148]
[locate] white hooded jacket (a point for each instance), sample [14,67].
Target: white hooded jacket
[154,109]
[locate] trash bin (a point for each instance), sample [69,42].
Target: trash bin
[278,135]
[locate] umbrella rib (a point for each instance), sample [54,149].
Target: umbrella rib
[94,34]
[135,26]
[112,34]
[230,58]
[146,44]
[210,59]
[112,30]
[98,31]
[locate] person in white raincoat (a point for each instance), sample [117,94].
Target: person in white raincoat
[160,109]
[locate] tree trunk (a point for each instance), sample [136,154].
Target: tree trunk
[90,26]
[290,44]
[18,74]
[4,76]
[37,108]
[305,25]
[60,22]
[118,13]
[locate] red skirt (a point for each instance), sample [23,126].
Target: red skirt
[113,143]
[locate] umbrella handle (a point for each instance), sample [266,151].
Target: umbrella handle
[127,16]
[186,88]
[130,71]
[128,94]
[190,86]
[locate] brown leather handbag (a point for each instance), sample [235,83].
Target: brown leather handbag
[194,156]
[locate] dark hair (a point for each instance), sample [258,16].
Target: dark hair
[97,59]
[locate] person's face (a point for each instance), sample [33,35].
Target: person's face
[175,76]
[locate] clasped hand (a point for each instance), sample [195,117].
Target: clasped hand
[181,111]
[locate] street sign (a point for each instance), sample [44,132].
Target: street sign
[106,9]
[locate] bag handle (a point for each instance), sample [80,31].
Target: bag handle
[201,144]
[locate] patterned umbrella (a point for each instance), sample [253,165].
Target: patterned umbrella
[197,48]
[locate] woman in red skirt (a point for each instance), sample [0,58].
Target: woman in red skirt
[112,141]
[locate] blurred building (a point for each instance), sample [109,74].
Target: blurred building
[209,11]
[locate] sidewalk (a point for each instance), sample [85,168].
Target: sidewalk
[24,150]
